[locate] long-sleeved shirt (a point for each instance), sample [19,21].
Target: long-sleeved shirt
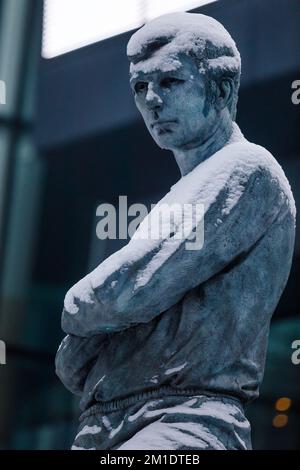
[157,318]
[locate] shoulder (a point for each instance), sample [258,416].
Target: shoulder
[244,171]
[247,158]
[256,164]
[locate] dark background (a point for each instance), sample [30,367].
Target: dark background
[70,139]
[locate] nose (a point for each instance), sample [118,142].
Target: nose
[153,100]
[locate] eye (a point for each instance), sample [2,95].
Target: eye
[140,87]
[168,81]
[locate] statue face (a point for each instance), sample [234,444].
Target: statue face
[172,104]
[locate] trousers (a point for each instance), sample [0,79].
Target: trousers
[169,423]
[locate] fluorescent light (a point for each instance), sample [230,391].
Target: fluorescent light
[71,24]
[158,7]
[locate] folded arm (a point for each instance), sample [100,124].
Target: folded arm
[146,278]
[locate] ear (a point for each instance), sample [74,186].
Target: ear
[224,93]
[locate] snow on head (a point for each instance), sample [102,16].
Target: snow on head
[158,44]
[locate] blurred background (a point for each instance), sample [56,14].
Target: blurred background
[70,139]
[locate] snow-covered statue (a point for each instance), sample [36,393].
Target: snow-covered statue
[165,343]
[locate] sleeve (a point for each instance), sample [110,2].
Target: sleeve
[144,279]
[74,359]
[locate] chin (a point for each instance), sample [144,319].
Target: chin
[167,141]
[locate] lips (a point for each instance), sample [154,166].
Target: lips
[161,122]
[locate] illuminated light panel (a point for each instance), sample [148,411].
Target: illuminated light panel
[71,24]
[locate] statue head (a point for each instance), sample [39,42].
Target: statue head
[185,74]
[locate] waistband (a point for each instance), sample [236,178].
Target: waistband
[163,391]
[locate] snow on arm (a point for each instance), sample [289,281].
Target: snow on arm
[242,188]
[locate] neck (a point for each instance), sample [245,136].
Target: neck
[191,155]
